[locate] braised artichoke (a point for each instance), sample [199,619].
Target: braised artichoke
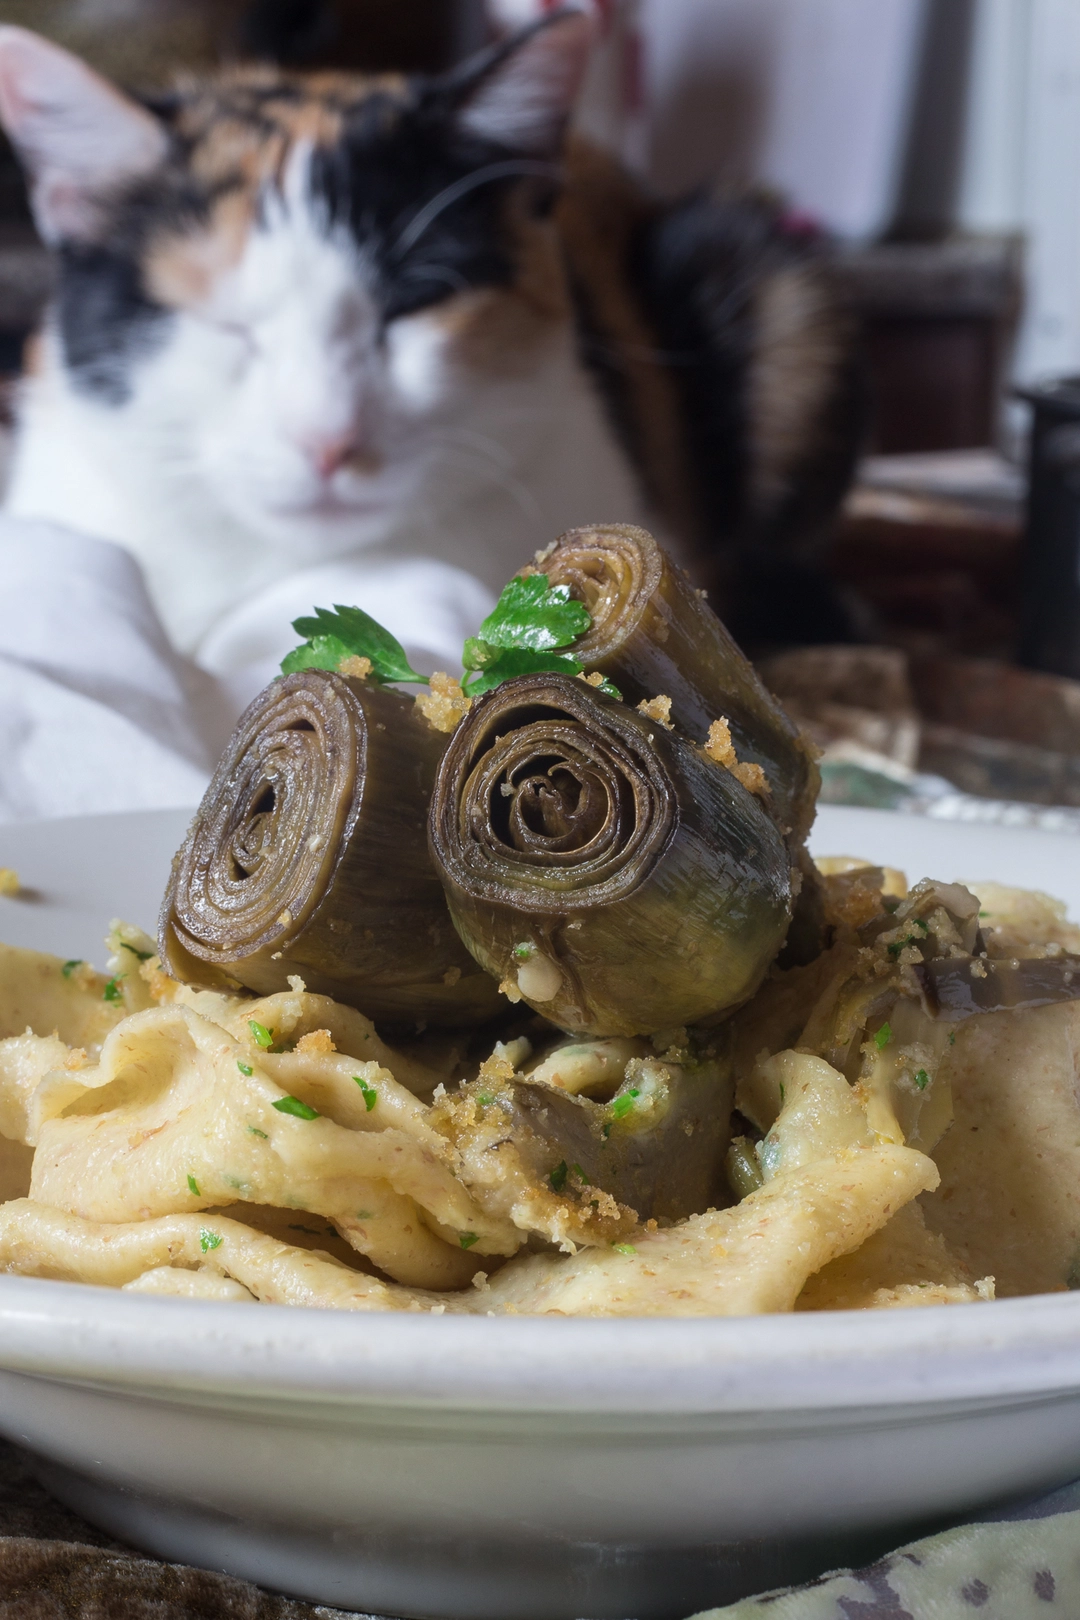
[652,633]
[307,856]
[604,868]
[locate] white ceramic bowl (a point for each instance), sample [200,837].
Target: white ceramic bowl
[523,1469]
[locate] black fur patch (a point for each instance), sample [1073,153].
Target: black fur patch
[105,319]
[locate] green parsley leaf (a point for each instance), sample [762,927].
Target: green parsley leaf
[209,1239]
[365,1215]
[485,1099]
[984,914]
[883,1037]
[245,1068]
[524,951]
[112,990]
[321,652]
[467,1239]
[371,1096]
[193,1186]
[558,1176]
[532,613]
[491,666]
[952,1038]
[925,926]
[260,1034]
[624,1248]
[579,1172]
[350,632]
[143,956]
[922,1079]
[298,1109]
[621,1105]
[255,1131]
[608,689]
[69,967]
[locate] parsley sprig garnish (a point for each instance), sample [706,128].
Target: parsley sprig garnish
[522,635]
[349,632]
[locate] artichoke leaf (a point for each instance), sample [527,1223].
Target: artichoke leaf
[307,857]
[602,868]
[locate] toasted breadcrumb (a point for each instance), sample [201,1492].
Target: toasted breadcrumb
[445,704]
[161,987]
[296,984]
[509,988]
[359,668]
[9,880]
[316,1042]
[658,709]
[593,679]
[719,746]
[496,1068]
[75,1059]
[752,777]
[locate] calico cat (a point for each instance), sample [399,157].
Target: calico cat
[298,317]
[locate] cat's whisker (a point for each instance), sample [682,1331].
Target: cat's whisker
[507,169]
[456,456]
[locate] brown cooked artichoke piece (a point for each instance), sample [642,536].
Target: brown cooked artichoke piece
[653,634]
[568,1168]
[308,856]
[606,870]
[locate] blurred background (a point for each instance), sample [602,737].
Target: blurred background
[935,145]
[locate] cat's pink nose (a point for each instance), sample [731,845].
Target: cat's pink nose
[328,454]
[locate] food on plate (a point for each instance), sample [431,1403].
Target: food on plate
[602,867]
[308,855]
[526,997]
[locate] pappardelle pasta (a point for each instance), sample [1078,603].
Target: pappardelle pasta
[169,1140]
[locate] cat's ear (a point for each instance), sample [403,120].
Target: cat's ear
[76,134]
[521,94]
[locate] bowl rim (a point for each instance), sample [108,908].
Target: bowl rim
[1015,1349]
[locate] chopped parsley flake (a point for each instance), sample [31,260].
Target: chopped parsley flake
[371,1096]
[255,1131]
[622,1105]
[579,1172]
[143,956]
[485,1099]
[467,1239]
[624,1248]
[245,1068]
[883,1037]
[522,952]
[260,1034]
[984,914]
[922,1079]
[558,1176]
[112,990]
[298,1109]
[925,926]
[365,1214]
[209,1239]
[193,1186]
[952,1038]
[69,967]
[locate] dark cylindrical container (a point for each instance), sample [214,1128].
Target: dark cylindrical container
[1050,624]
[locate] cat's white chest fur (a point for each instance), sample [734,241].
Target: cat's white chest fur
[497,469]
